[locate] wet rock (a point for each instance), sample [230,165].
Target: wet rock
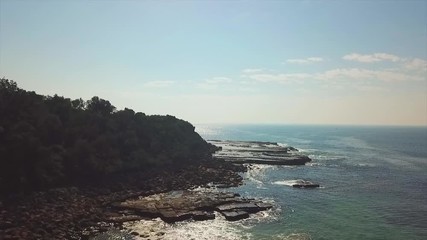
[305,184]
[74,213]
[203,215]
[122,219]
[247,207]
[169,215]
[235,215]
[263,206]
[181,205]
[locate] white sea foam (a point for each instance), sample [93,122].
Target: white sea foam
[313,164]
[283,144]
[288,182]
[307,150]
[365,165]
[256,173]
[218,228]
[211,187]
[325,156]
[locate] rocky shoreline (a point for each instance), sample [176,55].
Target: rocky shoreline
[81,212]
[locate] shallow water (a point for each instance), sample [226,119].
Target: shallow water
[373,186]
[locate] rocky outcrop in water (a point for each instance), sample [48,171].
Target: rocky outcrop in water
[270,153]
[305,184]
[298,183]
[182,205]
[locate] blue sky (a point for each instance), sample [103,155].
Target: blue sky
[291,62]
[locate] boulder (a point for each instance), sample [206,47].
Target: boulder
[171,216]
[203,215]
[247,207]
[263,206]
[235,215]
[305,184]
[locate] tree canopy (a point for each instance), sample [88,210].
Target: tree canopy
[50,141]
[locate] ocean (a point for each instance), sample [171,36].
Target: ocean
[373,186]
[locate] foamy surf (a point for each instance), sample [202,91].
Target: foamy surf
[288,182]
[218,228]
[257,173]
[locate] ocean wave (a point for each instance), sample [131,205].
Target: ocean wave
[313,164]
[283,144]
[365,165]
[325,156]
[288,182]
[218,228]
[257,173]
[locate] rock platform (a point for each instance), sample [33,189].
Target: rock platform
[182,205]
[270,153]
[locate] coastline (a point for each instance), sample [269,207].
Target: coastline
[86,211]
[82,212]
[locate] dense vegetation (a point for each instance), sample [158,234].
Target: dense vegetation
[49,141]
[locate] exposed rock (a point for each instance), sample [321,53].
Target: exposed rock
[122,219]
[181,205]
[171,215]
[305,184]
[264,206]
[270,153]
[247,207]
[74,213]
[203,215]
[235,215]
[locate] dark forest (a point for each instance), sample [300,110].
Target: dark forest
[53,141]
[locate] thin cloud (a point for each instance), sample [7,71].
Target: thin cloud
[280,78]
[305,60]
[366,74]
[213,83]
[339,74]
[159,84]
[416,64]
[371,58]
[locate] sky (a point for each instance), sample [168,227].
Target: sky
[262,62]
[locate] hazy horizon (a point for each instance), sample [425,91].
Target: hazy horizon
[274,62]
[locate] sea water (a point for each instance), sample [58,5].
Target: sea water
[373,186]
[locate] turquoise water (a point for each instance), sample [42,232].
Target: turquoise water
[374,182]
[373,186]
